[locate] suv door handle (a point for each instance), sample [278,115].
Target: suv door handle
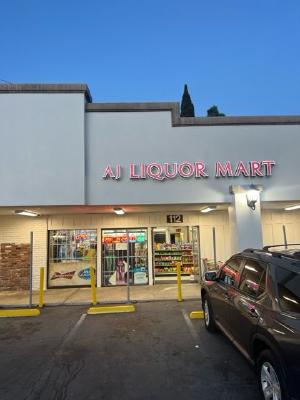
[227,296]
[253,312]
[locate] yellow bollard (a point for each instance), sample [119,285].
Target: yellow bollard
[41,294]
[93,286]
[179,291]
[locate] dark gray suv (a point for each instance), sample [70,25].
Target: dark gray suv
[255,300]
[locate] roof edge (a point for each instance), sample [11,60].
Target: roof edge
[174,107]
[47,88]
[178,121]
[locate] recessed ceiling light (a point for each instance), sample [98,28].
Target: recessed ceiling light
[119,211]
[292,207]
[26,213]
[208,209]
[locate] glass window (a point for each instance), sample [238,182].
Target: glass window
[253,278]
[289,289]
[71,254]
[229,273]
[123,250]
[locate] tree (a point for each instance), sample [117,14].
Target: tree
[214,112]
[187,107]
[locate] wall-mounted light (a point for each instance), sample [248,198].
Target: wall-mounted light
[119,211]
[26,213]
[252,197]
[291,208]
[208,209]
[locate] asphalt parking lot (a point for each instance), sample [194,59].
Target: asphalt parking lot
[154,353]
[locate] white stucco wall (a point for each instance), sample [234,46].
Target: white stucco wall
[41,149]
[44,160]
[142,137]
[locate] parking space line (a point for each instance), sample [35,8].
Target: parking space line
[75,328]
[190,325]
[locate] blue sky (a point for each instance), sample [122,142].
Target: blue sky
[240,55]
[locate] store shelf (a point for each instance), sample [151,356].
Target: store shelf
[167,252]
[164,266]
[171,273]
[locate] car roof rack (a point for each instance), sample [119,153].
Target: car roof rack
[252,250]
[277,254]
[266,248]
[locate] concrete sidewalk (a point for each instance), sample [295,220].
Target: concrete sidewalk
[104,295]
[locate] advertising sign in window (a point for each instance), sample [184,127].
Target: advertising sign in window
[71,254]
[124,256]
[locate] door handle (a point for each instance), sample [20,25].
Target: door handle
[253,312]
[227,296]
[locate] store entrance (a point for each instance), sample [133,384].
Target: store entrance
[124,254]
[172,245]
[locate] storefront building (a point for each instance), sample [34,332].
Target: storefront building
[132,189]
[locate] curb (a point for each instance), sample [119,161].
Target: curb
[88,303]
[111,309]
[197,315]
[20,312]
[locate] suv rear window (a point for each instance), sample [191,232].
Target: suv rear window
[288,289]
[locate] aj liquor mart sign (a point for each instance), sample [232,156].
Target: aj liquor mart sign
[198,169]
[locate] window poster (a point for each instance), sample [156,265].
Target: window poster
[71,254]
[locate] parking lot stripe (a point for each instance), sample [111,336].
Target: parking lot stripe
[75,328]
[190,325]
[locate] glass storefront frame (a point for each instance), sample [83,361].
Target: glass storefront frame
[116,262]
[193,237]
[165,258]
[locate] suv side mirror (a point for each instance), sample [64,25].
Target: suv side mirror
[210,276]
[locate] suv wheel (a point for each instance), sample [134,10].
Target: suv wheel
[270,377]
[208,315]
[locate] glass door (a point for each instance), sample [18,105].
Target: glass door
[124,254]
[173,245]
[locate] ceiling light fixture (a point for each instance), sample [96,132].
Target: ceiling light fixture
[119,211]
[290,208]
[26,213]
[208,209]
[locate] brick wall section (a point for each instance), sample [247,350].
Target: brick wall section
[16,229]
[14,266]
